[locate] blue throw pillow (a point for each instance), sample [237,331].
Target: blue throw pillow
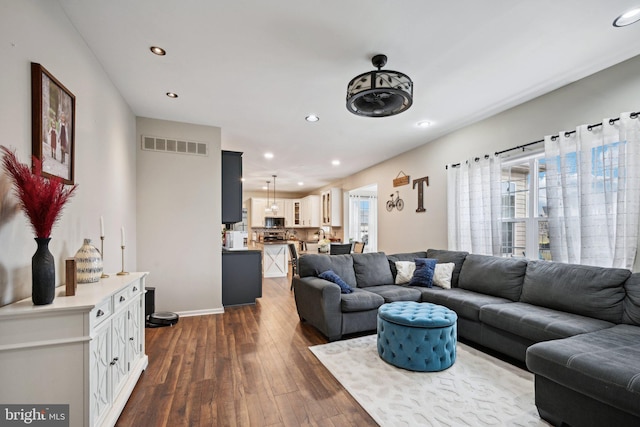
[423,275]
[333,277]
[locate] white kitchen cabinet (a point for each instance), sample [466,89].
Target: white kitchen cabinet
[286,211]
[296,206]
[310,211]
[332,207]
[257,214]
[298,213]
[85,350]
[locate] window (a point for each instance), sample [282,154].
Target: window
[525,227]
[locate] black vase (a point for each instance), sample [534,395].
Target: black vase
[43,273]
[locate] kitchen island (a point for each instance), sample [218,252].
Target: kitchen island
[275,258]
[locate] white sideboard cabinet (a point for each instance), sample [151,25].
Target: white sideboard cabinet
[85,350]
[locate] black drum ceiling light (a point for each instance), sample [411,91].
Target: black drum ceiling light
[379,93]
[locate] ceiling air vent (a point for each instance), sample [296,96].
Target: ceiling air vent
[167,145]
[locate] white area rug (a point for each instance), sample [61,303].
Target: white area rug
[478,390]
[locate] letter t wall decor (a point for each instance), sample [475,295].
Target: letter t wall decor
[419,181]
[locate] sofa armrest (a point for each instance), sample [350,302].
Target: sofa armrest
[318,302]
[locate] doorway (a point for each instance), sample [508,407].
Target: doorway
[363,216]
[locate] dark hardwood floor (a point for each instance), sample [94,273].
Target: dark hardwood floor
[250,366]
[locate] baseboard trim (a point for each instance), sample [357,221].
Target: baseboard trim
[204,312]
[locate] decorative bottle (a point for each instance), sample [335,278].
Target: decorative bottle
[88,263]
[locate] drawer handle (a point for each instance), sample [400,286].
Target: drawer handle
[122,298]
[131,338]
[135,289]
[100,313]
[113,362]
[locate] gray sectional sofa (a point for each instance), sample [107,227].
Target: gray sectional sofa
[576,327]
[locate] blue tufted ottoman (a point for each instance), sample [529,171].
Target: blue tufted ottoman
[417,336]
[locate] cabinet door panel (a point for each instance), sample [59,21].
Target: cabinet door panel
[100,349]
[134,325]
[297,214]
[119,340]
[258,207]
[231,187]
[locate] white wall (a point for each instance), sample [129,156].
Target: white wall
[605,94]
[179,219]
[38,31]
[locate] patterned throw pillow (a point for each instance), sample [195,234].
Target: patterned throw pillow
[405,271]
[423,276]
[333,277]
[442,275]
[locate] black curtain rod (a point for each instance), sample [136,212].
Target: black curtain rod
[553,138]
[566,134]
[519,147]
[477,159]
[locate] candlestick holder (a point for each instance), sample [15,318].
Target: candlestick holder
[104,276]
[123,273]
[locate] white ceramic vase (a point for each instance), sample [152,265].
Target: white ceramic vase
[88,263]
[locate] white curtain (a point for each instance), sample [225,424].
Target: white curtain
[474,206]
[364,232]
[593,193]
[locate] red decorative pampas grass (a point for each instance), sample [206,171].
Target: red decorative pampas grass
[41,199]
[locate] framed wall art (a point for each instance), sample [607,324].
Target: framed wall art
[53,116]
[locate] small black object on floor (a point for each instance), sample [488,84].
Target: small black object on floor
[156,320]
[162,318]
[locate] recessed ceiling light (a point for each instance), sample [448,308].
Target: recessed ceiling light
[301,183]
[268,155]
[264,187]
[158,50]
[627,18]
[424,124]
[312,118]
[242,179]
[335,162]
[172,95]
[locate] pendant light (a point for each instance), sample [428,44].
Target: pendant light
[274,206]
[268,208]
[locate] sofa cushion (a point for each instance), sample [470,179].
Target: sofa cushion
[444,256]
[407,256]
[360,300]
[500,277]
[631,302]
[333,277]
[372,269]
[604,365]
[392,293]
[423,274]
[581,289]
[465,303]
[538,323]
[405,271]
[314,264]
[442,274]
